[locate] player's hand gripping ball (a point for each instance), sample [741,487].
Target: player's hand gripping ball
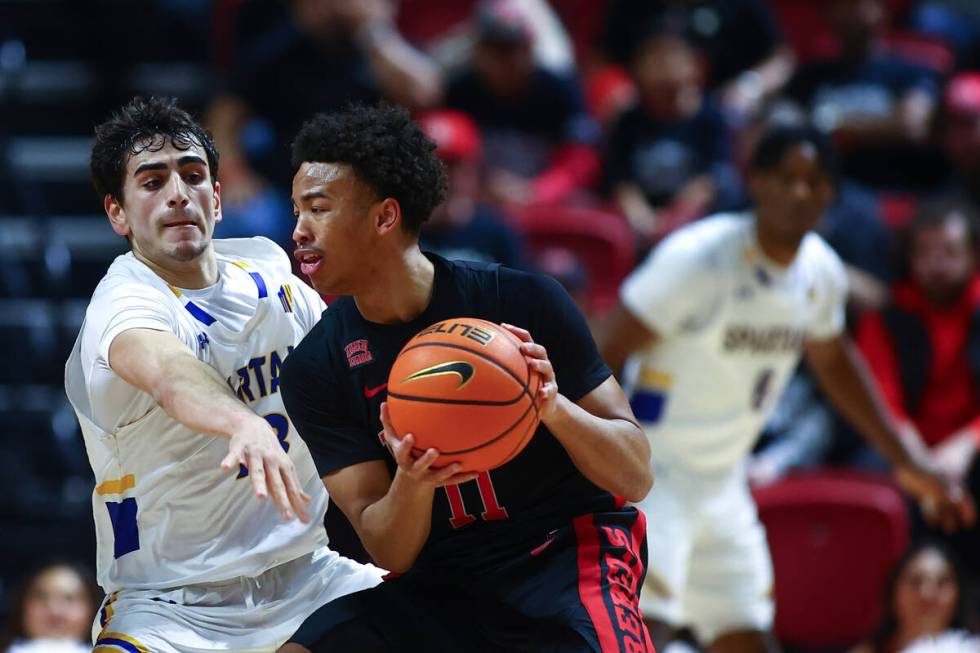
[463,387]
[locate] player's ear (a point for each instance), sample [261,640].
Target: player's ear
[117,215]
[388,216]
[217,202]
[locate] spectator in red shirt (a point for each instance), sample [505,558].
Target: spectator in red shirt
[925,349]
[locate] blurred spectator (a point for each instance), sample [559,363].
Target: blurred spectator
[461,227]
[53,611]
[739,40]
[960,133]
[925,596]
[924,350]
[447,33]
[878,106]
[669,159]
[539,141]
[326,54]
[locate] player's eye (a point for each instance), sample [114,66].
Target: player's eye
[151,183]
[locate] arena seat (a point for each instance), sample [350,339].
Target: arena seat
[600,238]
[834,536]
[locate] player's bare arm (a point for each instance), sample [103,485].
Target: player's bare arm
[845,379]
[195,395]
[392,516]
[620,335]
[599,432]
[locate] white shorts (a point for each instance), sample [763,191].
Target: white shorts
[709,565]
[245,615]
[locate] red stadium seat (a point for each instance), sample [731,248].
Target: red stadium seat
[600,238]
[834,536]
[924,50]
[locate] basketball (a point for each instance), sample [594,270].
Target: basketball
[462,386]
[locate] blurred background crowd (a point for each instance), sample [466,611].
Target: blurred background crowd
[576,135]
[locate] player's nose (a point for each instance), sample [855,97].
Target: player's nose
[177,192]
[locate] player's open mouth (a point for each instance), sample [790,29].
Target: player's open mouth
[309,262]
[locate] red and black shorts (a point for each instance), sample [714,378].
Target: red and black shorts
[577,591]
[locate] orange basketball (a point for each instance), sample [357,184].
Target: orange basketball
[463,387]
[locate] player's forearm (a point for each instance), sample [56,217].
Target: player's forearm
[195,395]
[612,453]
[395,528]
[845,379]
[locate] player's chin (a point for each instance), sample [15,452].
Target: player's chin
[188,250]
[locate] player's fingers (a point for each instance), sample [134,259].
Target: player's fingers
[277,489]
[295,493]
[425,460]
[256,471]
[534,350]
[522,334]
[401,448]
[544,368]
[297,498]
[234,456]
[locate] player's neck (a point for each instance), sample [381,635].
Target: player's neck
[400,290]
[200,272]
[778,249]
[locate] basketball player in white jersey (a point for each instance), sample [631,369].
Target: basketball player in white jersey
[208,508]
[716,320]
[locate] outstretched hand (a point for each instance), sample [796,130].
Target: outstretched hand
[420,469]
[270,468]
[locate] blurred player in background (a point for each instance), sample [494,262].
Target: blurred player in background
[536,555]
[189,558]
[719,315]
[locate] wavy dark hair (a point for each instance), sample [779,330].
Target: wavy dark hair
[386,149]
[14,628]
[144,124]
[964,614]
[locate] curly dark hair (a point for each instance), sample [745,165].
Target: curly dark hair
[144,124]
[386,149]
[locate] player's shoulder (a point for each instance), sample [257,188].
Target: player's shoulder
[815,251]
[258,251]
[127,277]
[709,238]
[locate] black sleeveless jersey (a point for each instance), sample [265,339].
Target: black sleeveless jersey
[334,382]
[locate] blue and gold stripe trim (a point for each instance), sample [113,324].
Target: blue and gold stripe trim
[115,642]
[196,311]
[256,277]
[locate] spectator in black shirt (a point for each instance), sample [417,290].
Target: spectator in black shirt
[539,140]
[509,562]
[739,41]
[668,158]
[877,105]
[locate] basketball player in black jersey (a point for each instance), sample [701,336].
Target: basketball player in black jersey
[537,555]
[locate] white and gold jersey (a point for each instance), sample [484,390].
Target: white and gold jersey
[166,514]
[730,324]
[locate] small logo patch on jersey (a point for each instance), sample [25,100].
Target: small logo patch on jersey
[462,369]
[285,295]
[202,340]
[370,392]
[358,353]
